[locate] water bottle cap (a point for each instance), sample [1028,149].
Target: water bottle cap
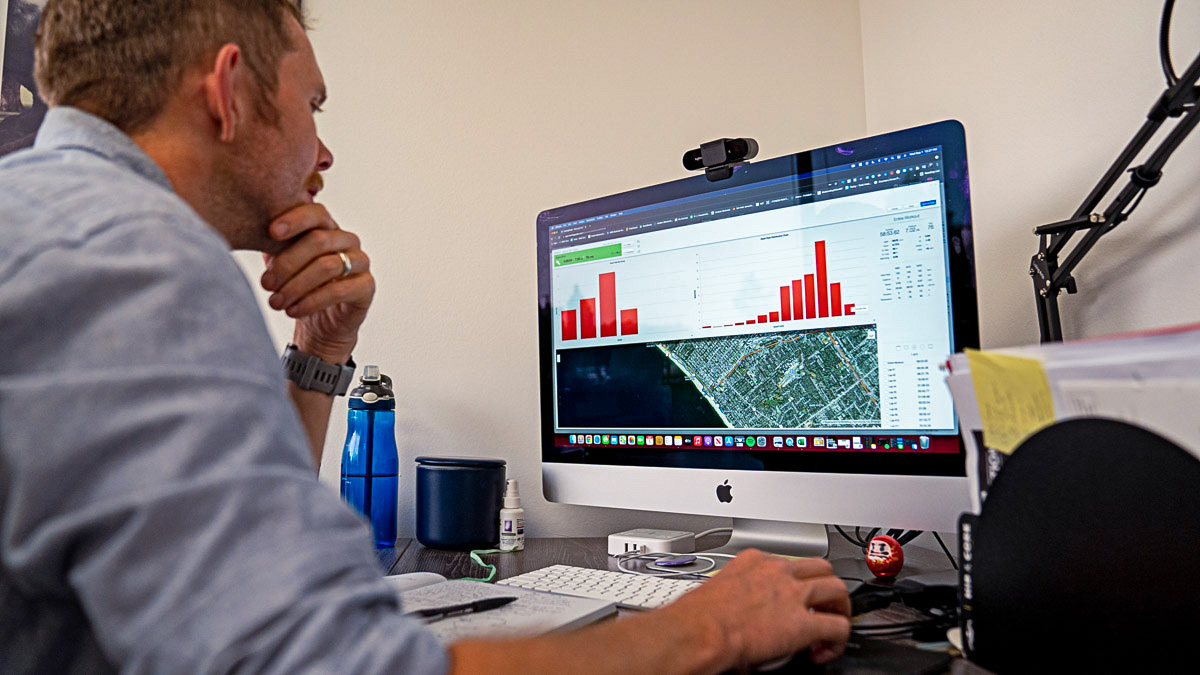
[374,391]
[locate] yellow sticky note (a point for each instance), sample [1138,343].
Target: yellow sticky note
[1014,398]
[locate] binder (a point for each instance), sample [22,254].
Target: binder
[1085,554]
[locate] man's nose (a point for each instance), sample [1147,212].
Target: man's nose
[324,156]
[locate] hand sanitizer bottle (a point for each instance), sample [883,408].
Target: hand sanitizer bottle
[512,519]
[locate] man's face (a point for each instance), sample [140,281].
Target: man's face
[271,169]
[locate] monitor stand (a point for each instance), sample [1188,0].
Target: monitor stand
[808,540]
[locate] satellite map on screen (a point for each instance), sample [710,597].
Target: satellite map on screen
[821,378]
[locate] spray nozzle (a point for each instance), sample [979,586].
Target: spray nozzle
[512,496]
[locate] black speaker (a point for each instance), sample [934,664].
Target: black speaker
[1085,557]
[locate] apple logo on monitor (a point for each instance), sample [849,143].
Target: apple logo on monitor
[725,493]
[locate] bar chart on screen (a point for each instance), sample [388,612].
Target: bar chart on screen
[790,281]
[634,298]
[581,323]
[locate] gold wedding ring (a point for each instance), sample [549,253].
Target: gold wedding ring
[346,266]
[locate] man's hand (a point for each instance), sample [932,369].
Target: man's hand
[770,606]
[309,281]
[757,609]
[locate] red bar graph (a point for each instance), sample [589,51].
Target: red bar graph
[629,322]
[608,304]
[822,281]
[568,324]
[585,318]
[810,297]
[587,323]
[814,296]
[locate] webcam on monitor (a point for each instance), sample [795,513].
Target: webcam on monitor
[720,157]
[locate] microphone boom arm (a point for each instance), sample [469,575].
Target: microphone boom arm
[1050,277]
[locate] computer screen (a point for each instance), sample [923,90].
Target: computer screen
[791,319]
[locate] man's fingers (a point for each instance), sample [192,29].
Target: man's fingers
[832,630]
[305,251]
[318,273]
[300,220]
[804,568]
[356,290]
[824,652]
[828,594]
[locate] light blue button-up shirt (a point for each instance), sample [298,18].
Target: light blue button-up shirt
[159,510]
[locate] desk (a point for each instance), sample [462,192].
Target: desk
[411,556]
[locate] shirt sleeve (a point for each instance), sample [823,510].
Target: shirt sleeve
[153,466]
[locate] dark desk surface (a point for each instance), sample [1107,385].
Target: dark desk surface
[410,556]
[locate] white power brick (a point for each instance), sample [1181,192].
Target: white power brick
[651,541]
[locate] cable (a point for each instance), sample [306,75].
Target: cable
[1137,200]
[953,563]
[715,530]
[479,561]
[635,555]
[902,537]
[1164,44]
[857,542]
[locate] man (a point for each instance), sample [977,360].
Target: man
[159,510]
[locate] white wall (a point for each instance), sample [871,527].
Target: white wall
[3,31]
[454,124]
[453,127]
[1049,93]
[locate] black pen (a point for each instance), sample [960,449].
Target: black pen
[439,613]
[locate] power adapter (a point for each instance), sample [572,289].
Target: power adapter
[651,541]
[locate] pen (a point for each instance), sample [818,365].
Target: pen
[439,613]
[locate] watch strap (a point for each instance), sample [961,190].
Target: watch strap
[314,373]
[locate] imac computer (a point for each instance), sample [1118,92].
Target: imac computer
[765,347]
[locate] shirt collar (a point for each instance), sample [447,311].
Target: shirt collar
[67,127]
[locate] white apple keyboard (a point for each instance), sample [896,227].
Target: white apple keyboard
[631,591]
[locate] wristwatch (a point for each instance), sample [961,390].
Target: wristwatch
[312,372]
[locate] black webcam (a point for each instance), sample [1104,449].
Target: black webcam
[720,157]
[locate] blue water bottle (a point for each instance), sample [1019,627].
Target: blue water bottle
[370,464]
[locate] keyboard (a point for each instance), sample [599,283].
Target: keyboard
[630,591]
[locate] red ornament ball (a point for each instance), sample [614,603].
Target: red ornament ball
[884,556]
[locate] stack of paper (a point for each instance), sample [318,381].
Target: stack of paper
[1003,396]
[533,613]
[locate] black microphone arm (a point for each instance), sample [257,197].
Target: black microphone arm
[1050,276]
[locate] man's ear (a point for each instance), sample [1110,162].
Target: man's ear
[220,86]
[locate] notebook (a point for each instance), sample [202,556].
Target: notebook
[533,613]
